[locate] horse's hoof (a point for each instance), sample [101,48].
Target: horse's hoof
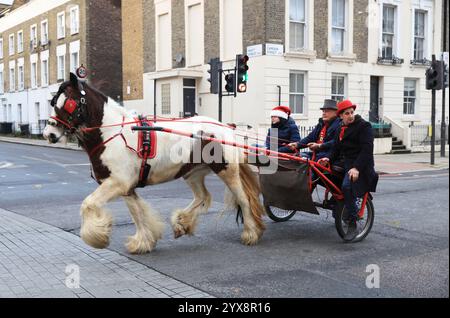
[179,231]
[97,231]
[249,238]
[138,245]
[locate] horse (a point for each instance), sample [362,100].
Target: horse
[102,128]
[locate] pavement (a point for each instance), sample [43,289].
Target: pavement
[40,260]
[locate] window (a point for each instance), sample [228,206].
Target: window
[297,24]
[37,108]
[409,97]
[297,92]
[21,77]
[1,48]
[61,25]
[164,44]
[74,20]
[388,39]
[44,73]
[61,67]
[1,82]
[12,79]
[338,27]
[19,113]
[165,99]
[419,34]
[11,44]
[20,42]
[33,75]
[74,62]
[44,32]
[195,35]
[338,87]
[33,37]
[9,116]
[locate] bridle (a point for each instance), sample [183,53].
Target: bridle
[76,110]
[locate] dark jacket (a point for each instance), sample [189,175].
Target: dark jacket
[355,150]
[287,133]
[328,141]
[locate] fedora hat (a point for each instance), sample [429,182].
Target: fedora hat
[329,104]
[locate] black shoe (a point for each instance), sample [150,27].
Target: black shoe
[352,231]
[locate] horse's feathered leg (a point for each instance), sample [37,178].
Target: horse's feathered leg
[96,221]
[184,221]
[149,227]
[244,186]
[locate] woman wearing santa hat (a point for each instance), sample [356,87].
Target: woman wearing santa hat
[283,130]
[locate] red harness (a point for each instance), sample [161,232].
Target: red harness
[146,147]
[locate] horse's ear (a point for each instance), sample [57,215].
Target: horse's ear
[74,80]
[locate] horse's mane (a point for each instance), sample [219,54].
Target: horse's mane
[96,91]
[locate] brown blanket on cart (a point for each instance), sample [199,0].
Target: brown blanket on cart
[287,188]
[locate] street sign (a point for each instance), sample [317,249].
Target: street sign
[255,50]
[274,49]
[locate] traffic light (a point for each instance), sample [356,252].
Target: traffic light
[434,76]
[230,84]
[241,72]
[215,66]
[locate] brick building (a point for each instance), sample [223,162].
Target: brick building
[373,52]
[42,41]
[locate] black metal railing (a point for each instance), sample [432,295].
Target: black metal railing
[421,135]
[390,60]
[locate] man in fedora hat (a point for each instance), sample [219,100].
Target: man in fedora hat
[321,139]
[353,148]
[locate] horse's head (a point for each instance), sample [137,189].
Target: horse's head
[70,108]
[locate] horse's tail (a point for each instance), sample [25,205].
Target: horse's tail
[251,187]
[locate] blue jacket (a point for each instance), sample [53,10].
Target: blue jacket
[328,141]
[287,133]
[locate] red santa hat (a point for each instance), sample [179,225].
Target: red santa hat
[281,111]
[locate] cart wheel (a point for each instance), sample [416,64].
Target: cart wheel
[279,215]
[364,224]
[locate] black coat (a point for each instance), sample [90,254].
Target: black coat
[355,150]
[287,133]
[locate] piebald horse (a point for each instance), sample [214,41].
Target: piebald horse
[103,129]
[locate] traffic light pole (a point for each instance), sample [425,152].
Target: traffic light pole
[433,116]
[220,95]
[444,46]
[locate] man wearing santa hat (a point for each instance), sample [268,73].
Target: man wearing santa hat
[283,130]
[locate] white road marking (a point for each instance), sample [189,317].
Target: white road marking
[64,183]
[11,187]
[72,172]
[63,165]
[5,164]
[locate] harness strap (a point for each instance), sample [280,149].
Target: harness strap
[146,148]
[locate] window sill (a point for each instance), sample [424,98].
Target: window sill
[345,57]
[299,116]
[302,54]
[410,118]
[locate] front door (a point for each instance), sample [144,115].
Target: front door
[374,99]
[188,97]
